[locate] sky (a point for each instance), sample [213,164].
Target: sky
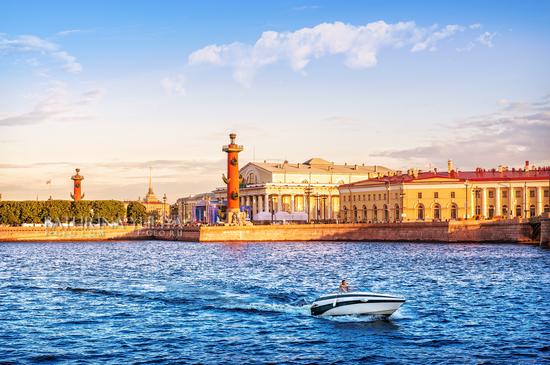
[117,87]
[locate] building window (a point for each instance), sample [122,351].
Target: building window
[547,208]
[491,194]
[532,211]
[354,198]
[397,215]
[546,193]
[354,214]
[505,194]
[436,195]
[478,210]
[420,212]
[518,193]
[386,214]
[368,197]
[532,193]
[345,214]
[454,211]
[374,213]
[364,197]
[437,212]
[518,210]
[419,195]
[504,210]
[379,196]
[364,213]
[491,211]
[384,196]
[477,193]
[453,195]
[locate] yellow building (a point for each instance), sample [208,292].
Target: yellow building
[435,196]
[153,205]
[287,191]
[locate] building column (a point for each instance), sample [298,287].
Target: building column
[279,202]
[473,202]
[484,203]
[329,211]
[511,205]
[498,208]
[266,202]
[292,203]
[539,200]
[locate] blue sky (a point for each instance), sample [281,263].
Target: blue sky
[116,87]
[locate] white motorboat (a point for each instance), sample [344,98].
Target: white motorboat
[356,303]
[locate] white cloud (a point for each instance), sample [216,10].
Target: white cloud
[173,86]
[68,32]
[360,46]
[39,46]
[486,39]
[518,132]
[56,105]
[475,26]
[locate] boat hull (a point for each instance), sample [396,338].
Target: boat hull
[358,303]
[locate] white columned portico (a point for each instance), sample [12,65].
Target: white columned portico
[498,208]
[279,202]
[539,200]
[484,203]
[266,202]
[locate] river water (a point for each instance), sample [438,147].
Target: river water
[170,302]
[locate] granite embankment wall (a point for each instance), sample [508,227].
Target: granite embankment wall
[41,234]
[464,231]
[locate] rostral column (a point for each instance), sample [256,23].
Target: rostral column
[77,190]
[232,180]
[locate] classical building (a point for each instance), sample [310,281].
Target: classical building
[199,208]
[153,205]
[432,196]
[297,191]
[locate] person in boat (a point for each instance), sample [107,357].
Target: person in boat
[344,287]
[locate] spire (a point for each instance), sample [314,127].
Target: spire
[150,182]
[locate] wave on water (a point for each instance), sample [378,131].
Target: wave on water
[266,308]
[140,296]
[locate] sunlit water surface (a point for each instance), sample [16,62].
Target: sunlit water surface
[167,302]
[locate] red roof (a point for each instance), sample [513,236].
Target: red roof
[542,173]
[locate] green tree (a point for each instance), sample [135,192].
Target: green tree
[81,211]
[10,212]
[57,210]
[108,210]
[136,212]
[30,211]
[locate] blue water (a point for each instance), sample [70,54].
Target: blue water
[166,302]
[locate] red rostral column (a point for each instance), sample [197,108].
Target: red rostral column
[232,180]
[77,194]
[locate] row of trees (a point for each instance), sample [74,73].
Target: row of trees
[19,212]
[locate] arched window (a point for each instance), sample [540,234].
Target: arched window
[386,214]
[252,178]
[454,211]
[504,210]
[437,212]
[491,211]
[420,212]
[518,210]
[397,213]
[364,213]
[374,213]
[354,214]
[532,212]
[547,208]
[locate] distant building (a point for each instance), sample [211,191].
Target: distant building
[287,191]
[200,208]
[434,196]
[153,206]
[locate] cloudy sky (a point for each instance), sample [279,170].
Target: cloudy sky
[117,87]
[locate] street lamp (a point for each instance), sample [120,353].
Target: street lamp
[164,209]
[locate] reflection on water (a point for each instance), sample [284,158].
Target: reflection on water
[249,303]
